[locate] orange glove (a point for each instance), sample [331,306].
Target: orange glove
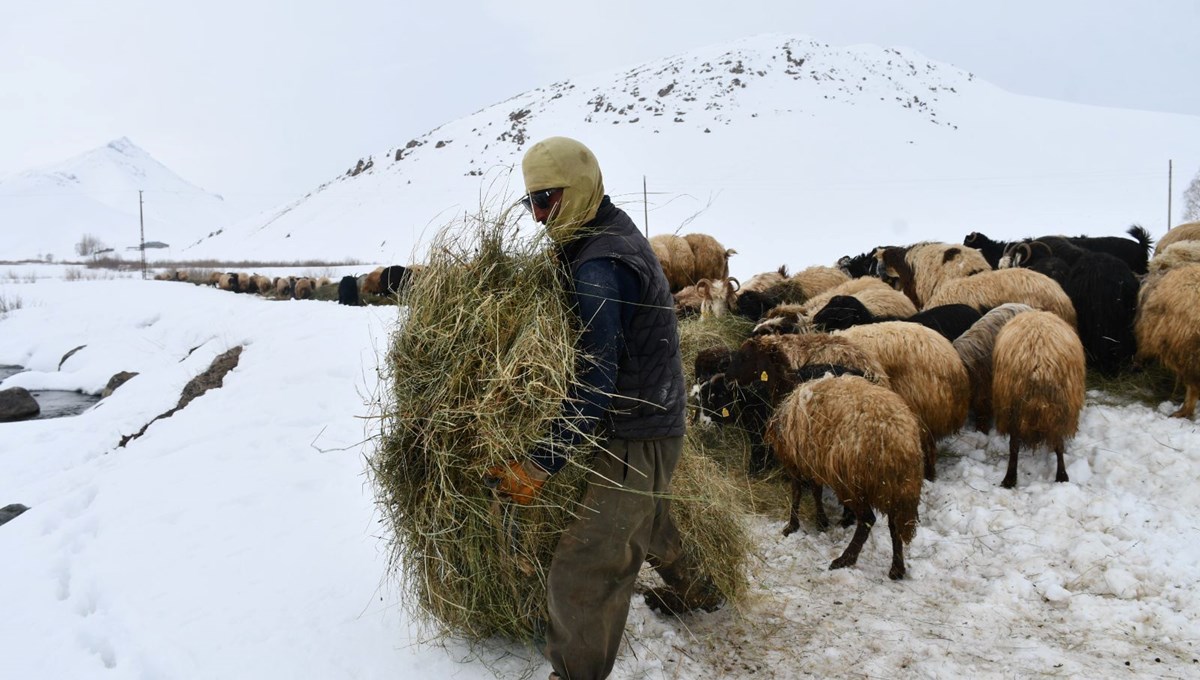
[517,481]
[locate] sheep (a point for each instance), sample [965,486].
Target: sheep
[858,266]
[716,297]
[760,373]
[348,291]
[724,402]
[711,258]
[775,288]
[302,289]
[1189,231]
[228,281]
[1039,257]
[990,289]
[845,311]
[283,287]
[1133,253]
[373,284]
[392,280]
[862,441]
[875,295]
[925,371]
[766,280]
[214,279]
[1038,373]
[1168,325]
[1103,290]
[264,283]
[687,301]
[919,269]
[991,250]
[974,347]
[687,259]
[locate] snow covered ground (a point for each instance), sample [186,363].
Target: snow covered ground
[238,538]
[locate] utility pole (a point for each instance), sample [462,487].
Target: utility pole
[1170,173]
[142,223]
[645,206]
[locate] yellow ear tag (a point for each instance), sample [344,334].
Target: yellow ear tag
[724,413]
[763,377]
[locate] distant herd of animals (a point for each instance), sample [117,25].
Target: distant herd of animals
[380,286]
[854,371]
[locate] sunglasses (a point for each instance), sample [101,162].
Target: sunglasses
[540,199]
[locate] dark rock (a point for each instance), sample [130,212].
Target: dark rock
[8,512]
[115,382]
[68,355]
[16,403]
[211,378]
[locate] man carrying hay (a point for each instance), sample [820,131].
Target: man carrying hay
[631,398]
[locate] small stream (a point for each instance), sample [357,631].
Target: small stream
[55,403]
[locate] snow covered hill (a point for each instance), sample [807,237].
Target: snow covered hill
[48,210]
[787,149]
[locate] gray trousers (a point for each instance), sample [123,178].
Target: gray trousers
[623,521]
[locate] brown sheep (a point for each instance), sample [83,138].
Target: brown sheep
[920,269]
[925,371]
[990,289]
[373,283]
[862,441]
[283,287]
[303,288]
[1168,326]
[687,259]
[1189,231]
[228,281]
[816,280]
[975,347]
[214,279]
[712,259]
[766,280]
[1038,373]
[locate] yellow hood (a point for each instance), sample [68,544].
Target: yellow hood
[561,162]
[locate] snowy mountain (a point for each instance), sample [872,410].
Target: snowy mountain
[820,147]
[48,210]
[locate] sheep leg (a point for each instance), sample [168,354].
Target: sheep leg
[794,518]
[929,448]
[1188,409]
[818,494]
[897,571]
[848,517]
[1061,474]
[850,556]
[1010,478]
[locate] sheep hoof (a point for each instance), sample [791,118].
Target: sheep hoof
[1008,483]
[1182,413]
[896,573]
[841,563]
[791,528]
[1062,478]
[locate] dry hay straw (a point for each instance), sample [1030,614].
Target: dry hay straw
[474,375]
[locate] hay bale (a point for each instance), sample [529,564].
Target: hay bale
[474,376]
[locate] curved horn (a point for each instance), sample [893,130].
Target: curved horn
[1043,245]
[704,288]
[1022,253]
[737,285]
[971,238]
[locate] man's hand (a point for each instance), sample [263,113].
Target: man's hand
[517,481]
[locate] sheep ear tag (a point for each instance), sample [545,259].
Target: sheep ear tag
[724,413]
[763,377]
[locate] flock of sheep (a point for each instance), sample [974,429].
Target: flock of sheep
[382,283]
[853,372]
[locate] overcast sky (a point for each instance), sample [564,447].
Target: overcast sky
[263,100]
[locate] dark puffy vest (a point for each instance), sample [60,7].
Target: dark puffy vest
[650,398]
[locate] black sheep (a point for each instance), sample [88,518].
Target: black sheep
[393,280]
[844,311]
[348,291]
[1103,290]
